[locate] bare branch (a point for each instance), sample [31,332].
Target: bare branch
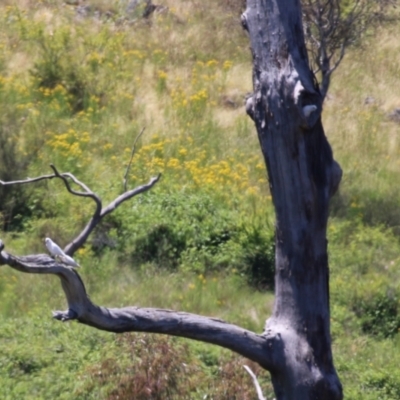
[99,211]
[81,238]
[256,384]
[258,348]
[86,193]
[127,195]
[130,161]
[27,180]
[63,177]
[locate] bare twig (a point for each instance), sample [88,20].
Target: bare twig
[258,348]
[256,384]
[130,161]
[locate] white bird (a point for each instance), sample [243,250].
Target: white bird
[66,259]
[307,110]
[56,251]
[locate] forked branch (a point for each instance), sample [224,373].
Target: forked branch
[87,192]
[99,211]
[259,348]
[98,215]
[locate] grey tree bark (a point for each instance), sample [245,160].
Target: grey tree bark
[286,105]
[286,108]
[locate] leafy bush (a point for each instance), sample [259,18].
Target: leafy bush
[364,264]
[16,152]
[57,68]
[385,383]
[258,256]
[166,225]
[372,207]
[195,232]
[379,313]
[161,245]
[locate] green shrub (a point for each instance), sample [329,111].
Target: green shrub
[14,162]
[195,232]
[379,313]
[258,256]
[371,206]
[57,68]
[160,227]
[161,244]
[383,382]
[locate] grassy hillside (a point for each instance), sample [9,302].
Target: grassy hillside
[76,91]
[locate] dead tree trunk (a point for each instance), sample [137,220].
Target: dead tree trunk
[286,107]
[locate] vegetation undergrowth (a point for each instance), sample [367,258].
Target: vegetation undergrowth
[75,91]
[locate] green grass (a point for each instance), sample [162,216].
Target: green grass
[76,93]
[42,358]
